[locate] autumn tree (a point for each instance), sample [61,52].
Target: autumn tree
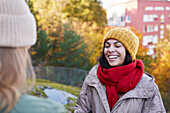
[40,51]
[86,11]
[50,18]
[72,51]
[161,65]
[87,22]
[53,14]
[90,36]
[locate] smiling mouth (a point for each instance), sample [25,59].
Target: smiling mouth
[112,57]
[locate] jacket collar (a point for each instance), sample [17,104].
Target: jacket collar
[144,88]
[92,78]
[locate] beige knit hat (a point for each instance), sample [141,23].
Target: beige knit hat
[129,40]
[17,24]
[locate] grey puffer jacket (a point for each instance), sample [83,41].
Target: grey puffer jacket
[144,98]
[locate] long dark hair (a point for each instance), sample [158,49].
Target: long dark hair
[104,63]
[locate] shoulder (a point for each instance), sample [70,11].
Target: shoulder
[92,78]
[147,80]
[93,69]
[37,104]
[151,91]
[147,85]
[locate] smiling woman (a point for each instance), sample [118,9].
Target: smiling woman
[118,83]
[114,52]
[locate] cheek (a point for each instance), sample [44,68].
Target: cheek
[124,53]
[105,51]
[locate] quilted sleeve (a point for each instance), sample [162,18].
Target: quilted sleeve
[155,103]
[83,104]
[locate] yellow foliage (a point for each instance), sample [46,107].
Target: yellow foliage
[33,52]
[92,36]
[161,66]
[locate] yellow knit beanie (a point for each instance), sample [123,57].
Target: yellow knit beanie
[129,40]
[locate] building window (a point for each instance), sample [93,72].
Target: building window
[167,8]
[150,39]
[162,31]
[147,39]
[159,8]
[161,36]
[127,18]
[150,18]
[148,8]
[145,42]
[151,50]
[150,28]
[162,27]
[162,17]
[155,39]
[122,18]
[147,18]
[155,27]
[155,17]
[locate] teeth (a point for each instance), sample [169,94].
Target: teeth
[113,57]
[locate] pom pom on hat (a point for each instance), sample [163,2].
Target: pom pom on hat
[17,24]
[129,40]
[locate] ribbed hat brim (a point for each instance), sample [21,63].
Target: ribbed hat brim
[15,33]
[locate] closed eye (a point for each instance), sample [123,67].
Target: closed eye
[107,45]
[118,46]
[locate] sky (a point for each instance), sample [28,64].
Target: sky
[106,3]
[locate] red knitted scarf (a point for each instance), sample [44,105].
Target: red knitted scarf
[120,79]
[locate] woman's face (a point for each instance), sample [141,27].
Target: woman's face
[114,52]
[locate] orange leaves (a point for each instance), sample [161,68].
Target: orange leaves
[161,66]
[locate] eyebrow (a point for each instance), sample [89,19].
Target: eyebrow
[114,42]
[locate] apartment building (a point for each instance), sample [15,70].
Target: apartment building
[150,17]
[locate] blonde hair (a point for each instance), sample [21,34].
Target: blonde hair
[15,72]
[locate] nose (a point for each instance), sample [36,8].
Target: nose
[112,49]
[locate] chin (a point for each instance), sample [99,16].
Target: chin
[115,65]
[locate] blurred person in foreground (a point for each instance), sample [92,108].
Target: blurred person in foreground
[118,84]
[17,34]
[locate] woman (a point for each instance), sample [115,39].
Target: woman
[118,84]
[17,34]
